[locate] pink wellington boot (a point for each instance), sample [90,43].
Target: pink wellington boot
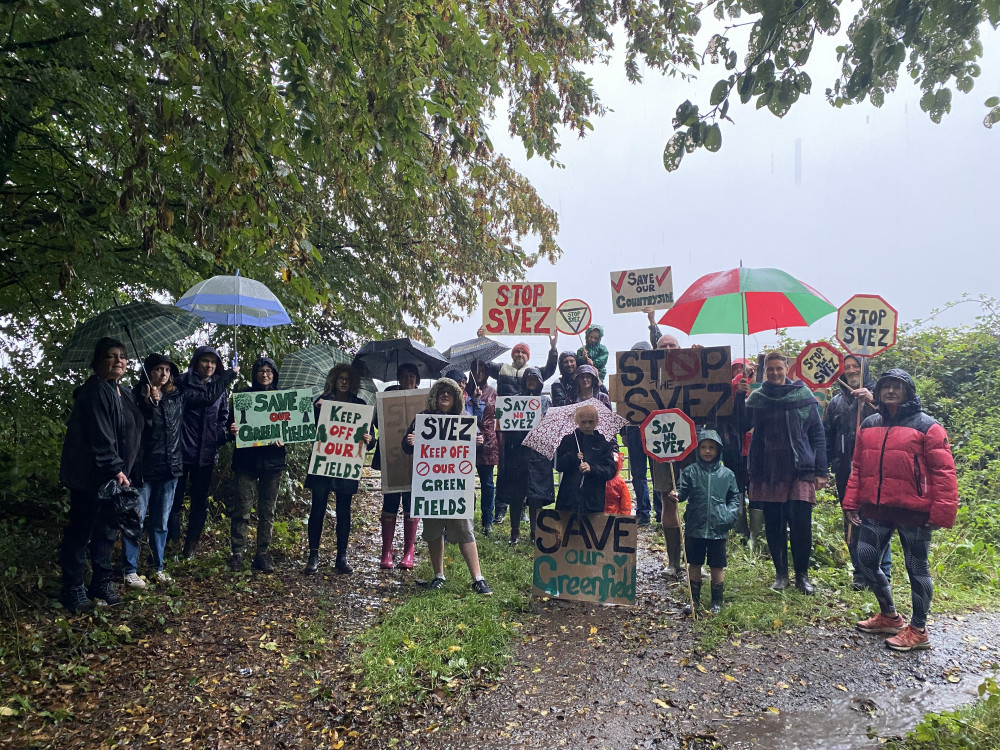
[388,532]
[409,541]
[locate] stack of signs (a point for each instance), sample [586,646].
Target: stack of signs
[444,466]
[631,291]
[585,557]
[519,309]
[265,417]
[339,450]
[518,413]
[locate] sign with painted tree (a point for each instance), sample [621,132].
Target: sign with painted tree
[265,417]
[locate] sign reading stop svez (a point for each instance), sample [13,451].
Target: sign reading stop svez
[668,435]
[866,325]
[519,308]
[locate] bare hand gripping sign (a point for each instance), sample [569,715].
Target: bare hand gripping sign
[585,557]
[696,381]
[444,466]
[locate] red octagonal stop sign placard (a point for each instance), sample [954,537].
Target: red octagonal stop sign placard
[668,435]
[819,365]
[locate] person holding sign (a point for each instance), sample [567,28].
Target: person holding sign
[787,464]
[538,486]
[488,453]
[446,398]
[509,376]
[585,458]
[593,352]
[257,470]
[903,479]
[342,384]
[713,499]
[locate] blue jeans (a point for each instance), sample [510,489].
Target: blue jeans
[637,464]
[487,493]
[158,497]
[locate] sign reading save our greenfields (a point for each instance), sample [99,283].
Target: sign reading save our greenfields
[265,417]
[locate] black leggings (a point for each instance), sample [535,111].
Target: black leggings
[873,539]
[790,521]
[318,513]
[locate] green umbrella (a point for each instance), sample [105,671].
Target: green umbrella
[308,368]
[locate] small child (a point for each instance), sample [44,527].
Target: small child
[585,459]
[617,498]
[447,398]
[711,513]
[593,352]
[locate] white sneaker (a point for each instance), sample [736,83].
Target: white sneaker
[132,580]
[163,577]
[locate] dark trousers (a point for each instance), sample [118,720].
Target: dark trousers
[873,538]
[487,493]
[318,512]
[265,486]
[86,530]
[637,465]
[201,478]
[853,533]
[787,523]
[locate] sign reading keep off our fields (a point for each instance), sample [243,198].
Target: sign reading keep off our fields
[339,450]
[265,417]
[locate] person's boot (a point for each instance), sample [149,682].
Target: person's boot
[717,591]
[409,543]
[695,597]
[190,548]
[342,566]
[104,591]
[313,563]
[780,581]
[236,562]
[499,513]
[262,562]
[756,529]
[76,601]
[672,537]
[388,533]
[803,584]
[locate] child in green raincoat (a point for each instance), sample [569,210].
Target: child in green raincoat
[594,352]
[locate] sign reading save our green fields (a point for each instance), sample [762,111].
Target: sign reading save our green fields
[265,417]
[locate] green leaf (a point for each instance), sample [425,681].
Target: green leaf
[673,152]
[719,91]
[993,101]
[713,137]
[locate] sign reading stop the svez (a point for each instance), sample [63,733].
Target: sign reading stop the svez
[668,435]
[819,364]
[519,309]
[866,325]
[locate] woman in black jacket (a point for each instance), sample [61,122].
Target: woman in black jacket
[342,384]
[103,443]
[162,404]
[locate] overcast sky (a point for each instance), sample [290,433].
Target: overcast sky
[888,202]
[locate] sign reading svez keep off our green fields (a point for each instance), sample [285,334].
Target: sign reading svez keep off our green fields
[444,466]
[265,417]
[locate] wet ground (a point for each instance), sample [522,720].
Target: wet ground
[606,677]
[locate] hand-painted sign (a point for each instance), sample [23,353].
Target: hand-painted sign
[339,450]
[396,409]
[519,309]
[668,435]
[518,413]
[647,287]
[573,316]
[866,325]
[819,364]
[265,417]
[696,381]
[583,557]
[444,466]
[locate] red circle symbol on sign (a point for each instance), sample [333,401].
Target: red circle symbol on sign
[573,316]
[668,435]
[465,467]
[422,468]
[534,403]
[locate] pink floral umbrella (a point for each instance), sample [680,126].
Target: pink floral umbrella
[558,422]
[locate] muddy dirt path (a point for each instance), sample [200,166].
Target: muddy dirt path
[604,677]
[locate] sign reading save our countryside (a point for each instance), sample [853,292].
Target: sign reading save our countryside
[444,466]
[265,417]
[339,450]
[646,287]
[519,309]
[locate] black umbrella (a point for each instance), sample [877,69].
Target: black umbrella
[380,359]
[460,355]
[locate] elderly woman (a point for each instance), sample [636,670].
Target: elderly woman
[342,384]
[787,464]
[103,443]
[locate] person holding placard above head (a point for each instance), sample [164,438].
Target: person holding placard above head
[446,398]
[407,379]
[586,459]
[342,384]
[487,452]
[257,470]
[638,463]
[593,352]
[787,464]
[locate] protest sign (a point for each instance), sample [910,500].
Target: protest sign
[866,325]
[396,409]
[646,287]
[585,557]
[444,466]
[339,450]
[818,365]
[668,435]
[519,309]
[518,413]
[265,417]
[696,381]
[573,316]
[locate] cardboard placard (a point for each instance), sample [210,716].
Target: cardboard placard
[818,365]
[696,381]
[518,413]
[265,417]
[585,557]
[444,466]
[645,287]
[396,409]
[339,450]
[866,325]
[519,309]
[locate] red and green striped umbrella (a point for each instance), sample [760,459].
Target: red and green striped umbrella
[746,300]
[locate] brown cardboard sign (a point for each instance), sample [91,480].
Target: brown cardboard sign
[396,410]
